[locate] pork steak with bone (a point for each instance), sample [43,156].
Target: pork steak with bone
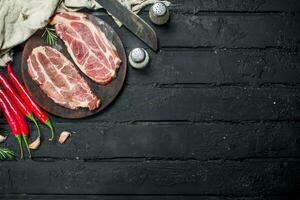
[88,46]
[60,80]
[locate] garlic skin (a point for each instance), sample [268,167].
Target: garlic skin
[35,144]
[2,138]
[64,136]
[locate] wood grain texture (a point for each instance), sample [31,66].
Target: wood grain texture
[197,6]
[215,115]
[148,141]
[137,197]
[152,177]
[220,67]
[202,103]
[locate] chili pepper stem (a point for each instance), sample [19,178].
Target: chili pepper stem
[31,117]
[25,138]
[20,145]
[49,124]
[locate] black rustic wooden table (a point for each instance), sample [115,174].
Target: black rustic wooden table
[215,116]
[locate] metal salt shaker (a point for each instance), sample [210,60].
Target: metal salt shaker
[159,13]
[139,58]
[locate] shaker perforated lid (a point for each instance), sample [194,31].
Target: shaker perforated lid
[139,58]
[159,13]
[159,9]
[138,55]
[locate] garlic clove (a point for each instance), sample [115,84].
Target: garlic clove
[2,138]
[35,144]
[63,137]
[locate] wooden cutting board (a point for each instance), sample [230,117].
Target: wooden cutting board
[106,93]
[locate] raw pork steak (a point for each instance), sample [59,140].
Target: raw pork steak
[59,79]
[92,52]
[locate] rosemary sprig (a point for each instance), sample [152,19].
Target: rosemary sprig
[6,154]
[49,36]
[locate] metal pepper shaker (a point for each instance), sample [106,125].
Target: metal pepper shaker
[139,58]
[159,13]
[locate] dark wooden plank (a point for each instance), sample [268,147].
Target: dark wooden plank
[202,103]
[151,177]
[201,141]
[220,67]
[230,31]
[195,6]
[134,197]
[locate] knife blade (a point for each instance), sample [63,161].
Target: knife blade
[132,22]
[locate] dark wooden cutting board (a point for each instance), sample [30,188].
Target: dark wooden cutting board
[106,93]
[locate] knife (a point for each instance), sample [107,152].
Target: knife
[133,22]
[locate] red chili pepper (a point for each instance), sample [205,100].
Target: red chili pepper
[17,100]
[13,123]
[19,117]
[38,112]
